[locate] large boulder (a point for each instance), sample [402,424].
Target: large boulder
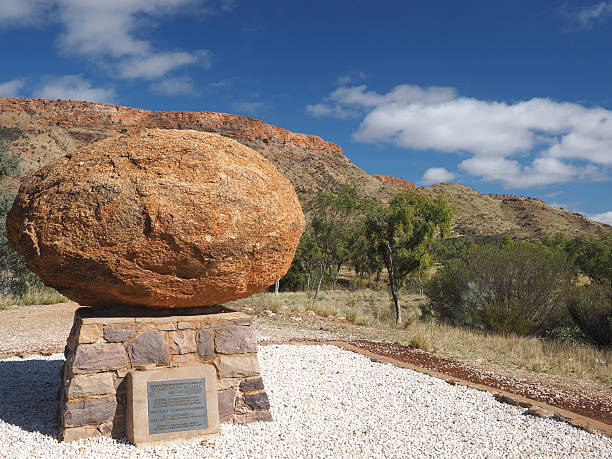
[162,218]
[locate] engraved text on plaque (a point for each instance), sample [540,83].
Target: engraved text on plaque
[176,405]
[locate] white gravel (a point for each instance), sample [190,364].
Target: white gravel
[326,402]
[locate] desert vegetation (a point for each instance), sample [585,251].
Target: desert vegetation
[17,284]
[540,305]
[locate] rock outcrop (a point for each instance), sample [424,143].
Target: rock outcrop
[161,218]
[396,181]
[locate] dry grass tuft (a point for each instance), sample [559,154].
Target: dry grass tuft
[34,295]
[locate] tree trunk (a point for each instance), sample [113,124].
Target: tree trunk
[323,271]
[276,288]
[318,288]
[398,310]
[393,285]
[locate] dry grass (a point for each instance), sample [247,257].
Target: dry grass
[361,307]
[369,314]
[34,295]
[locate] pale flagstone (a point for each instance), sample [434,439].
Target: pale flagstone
[87,385]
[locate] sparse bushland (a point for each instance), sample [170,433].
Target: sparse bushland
[369,314]
[348,229]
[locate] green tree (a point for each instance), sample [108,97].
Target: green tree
[591,256]
[335,219]
[364,258]
[403,232]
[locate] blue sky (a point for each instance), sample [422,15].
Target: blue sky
[505,97]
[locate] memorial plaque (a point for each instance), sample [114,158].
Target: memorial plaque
[177,405]
[167,405]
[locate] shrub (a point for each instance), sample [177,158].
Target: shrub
[591,309]
[517,287]
[419,342]
[444,291]
[427,313]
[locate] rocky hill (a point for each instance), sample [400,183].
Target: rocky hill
[516,216]
[396,181]
[41,130]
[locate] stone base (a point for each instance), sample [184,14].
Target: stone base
[104,346]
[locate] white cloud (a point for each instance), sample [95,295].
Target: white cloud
[174,86]
[437,175]
[11,88]
[605,217]
[554,194]
[331,111]
[159,64]
[522,144]
[74,87]
[15,13]
[109,32]
[587,16]
[351,77]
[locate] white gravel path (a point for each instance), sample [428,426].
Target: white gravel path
[326,402]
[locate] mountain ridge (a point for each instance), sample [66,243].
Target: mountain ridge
[40,130]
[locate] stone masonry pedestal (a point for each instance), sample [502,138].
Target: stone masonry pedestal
[104,346]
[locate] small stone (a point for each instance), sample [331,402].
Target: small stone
[91,358]
[183,341]
[206,346]
[237,366]
[89,333]
[88,385]
[258,401]
[185,325]
[148,347]
[118,333]
[235,339]
[226,405]
[249,385]
[253,416]
[167,327]
[90,411]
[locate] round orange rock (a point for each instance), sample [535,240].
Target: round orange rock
[162,218]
